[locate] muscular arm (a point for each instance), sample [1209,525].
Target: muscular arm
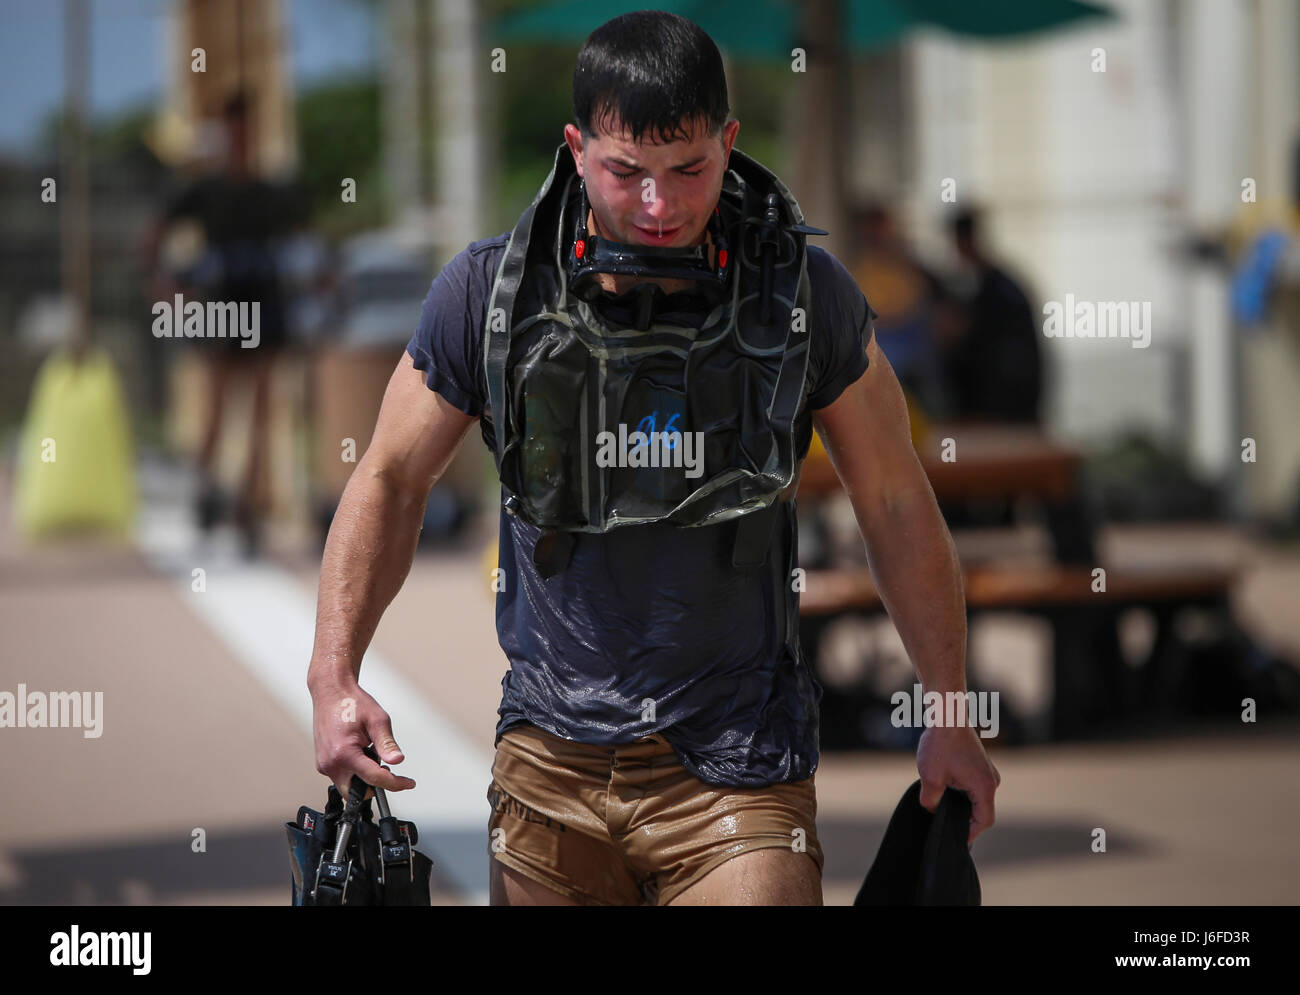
[909,549]
[915,567]
[367,556]
[372,540]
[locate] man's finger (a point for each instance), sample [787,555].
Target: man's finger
[345,789]
[379,777]
[381,734]
[981,801]
[931,795]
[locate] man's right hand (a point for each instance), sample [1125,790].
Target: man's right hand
[345,721]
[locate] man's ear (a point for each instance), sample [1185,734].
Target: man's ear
[729,132]
[573,137]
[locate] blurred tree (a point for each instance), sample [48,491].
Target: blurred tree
[117,141]
[339,136]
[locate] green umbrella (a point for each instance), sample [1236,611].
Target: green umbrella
[875,23]
[770,28]
[754,28]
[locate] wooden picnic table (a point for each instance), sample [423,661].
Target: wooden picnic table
[1090,679]
[988,461]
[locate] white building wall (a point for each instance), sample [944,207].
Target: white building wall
[1078,171]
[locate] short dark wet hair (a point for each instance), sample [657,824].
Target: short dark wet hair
[659,75]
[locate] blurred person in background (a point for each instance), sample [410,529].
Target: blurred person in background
[241,217]
[993,361]
[1262,247]
[905,296]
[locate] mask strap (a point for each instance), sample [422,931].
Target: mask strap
[717,234]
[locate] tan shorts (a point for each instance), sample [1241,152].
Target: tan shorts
[628,824]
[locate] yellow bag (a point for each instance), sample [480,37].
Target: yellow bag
[75,456]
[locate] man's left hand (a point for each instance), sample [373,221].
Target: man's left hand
[954,757]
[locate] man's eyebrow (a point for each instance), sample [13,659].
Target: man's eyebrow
[631,165]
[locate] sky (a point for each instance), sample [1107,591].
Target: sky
[128,52]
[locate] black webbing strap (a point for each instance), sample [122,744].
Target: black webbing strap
[510,278]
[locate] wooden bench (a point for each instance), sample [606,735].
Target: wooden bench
[831,592]
[1091,682]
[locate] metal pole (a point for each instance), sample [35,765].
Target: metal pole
[75,216]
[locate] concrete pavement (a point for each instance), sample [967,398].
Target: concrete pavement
[193,739]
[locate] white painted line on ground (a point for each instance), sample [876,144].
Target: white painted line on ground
[262,614]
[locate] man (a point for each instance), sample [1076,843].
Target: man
[906,298]
[995,364]
[242,216]
[658,725]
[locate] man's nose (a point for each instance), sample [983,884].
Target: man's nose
[654,196]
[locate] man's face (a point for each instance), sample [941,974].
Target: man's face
[652,194]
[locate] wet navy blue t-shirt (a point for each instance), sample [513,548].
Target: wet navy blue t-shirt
[653,613]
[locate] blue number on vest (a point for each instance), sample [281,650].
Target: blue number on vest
[652,418]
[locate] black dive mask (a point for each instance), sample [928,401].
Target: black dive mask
[590,255]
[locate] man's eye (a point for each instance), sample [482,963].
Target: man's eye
[623,176]
[696,173]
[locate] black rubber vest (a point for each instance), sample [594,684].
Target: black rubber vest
[558,374]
